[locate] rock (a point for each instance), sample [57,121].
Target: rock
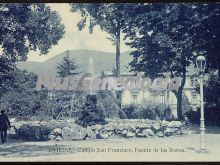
[148,132]
[110,133]
[165,123]
[160,134]
[140,134]
[51,137]
[132,128]
[144,125]
[168,132]
[156,127]
[96,127]
[110,127]
[57,131]
[130,134]
[58,138]
[176,124]
[102,135]
[124,132]
[78,134]
[137,131]
[12,120]
[66,133]
[16,126]
[90,133]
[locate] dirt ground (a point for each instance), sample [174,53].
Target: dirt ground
[181,148]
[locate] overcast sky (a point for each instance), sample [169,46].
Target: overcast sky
[74,39]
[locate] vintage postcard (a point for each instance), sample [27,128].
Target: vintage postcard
[109,82]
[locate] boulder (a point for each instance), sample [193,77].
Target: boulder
[124,132]
[16,125]
[165,123]
[110,133]
[66,133]
[96,127]
[148,132]
[168,132]
[156,127]
[110,127]
[78,134]
[51,137]
[137,131]
[175,124]
[132,128]
[102,135]
[144,125]
[141,134]
[57,131]
[58,138]
[130,134]
[160,134]
[90,133]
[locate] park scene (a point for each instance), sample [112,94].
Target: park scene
[109,82]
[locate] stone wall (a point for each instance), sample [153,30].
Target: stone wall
[116,128]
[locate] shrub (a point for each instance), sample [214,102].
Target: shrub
[151,112]
[128,111]
[91,114]
[33,133]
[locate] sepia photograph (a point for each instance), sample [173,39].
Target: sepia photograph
[110,82]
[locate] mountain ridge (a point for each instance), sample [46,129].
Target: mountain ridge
[103,61]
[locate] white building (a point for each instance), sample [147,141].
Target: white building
[138,97]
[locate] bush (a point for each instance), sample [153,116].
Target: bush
[151,112]
[128,111]
[91,114]
[33,133]
[211,114]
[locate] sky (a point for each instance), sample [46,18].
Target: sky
[75,39]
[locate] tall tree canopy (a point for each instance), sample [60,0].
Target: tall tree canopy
[28,26]
[165,37]
[110,18]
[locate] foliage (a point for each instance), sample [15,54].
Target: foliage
[108,16]
[153,112]
[91,114]
[22,101]
[67,67]
[212,90]
[28,26]
[36,133]
[211,114]
[129,111]
[165,37]
[6,74]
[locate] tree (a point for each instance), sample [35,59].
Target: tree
[110,18]
[67,67]
[6,74]
[166,36]
[26,26]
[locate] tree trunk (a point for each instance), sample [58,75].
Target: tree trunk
[179,95]
[118,53]
[179,105]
